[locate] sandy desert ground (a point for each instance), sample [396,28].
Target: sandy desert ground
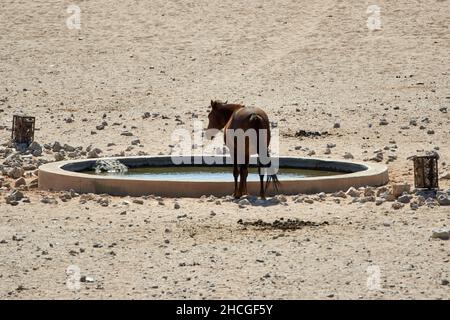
[312,65]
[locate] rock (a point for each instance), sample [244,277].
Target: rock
[379,201]
[65,196]
[352,192]
[100,127]
[177,205]
[281,198]
[87,279]
[406,198]
[444,282]
[414,206]
[387,196]
[56,147]
[68,148]
[366,199]
[94,153]
[35,149]
[15,172]
[244,202]
[19,182]
[445,175]
[397,205]
[327,151]
[59,156]
[336,125]
[441,233]
[383,122]
[378,157]
[369,192]
[126,134]
[339,194]
[399,189]
[430,131]
[138,201]
[104,202]
[136,142]
[13,197]
[49,200]
[443,199]
[107,165]
[348,155]
[146,115]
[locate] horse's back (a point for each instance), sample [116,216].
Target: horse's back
[241,119]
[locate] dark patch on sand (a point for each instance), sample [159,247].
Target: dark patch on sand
[289,224]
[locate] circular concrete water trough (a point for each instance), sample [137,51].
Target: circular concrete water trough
[67,175]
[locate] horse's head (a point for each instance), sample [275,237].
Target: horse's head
[217,118]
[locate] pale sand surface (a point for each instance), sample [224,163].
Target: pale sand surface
[309,64]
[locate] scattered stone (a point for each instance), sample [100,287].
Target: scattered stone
[94,153]
[13,197]
[399,189]
[339,194]
[414,205]
[348,155]
[441,233]
[138,201]
[87,279]
[443,198]
[406,198]
[107,165]
[35,149]
[127,134]
[244,202]
[352,192]
[49,200]
[177,205]
[56,147]
[19,182]
[59,156]
[369,192]
[15,172]
[445,175]
[104,202]
[383,122]
[397,205]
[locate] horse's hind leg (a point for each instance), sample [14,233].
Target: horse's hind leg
[261,182]
[236,176]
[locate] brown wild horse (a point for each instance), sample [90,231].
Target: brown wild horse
[235,118]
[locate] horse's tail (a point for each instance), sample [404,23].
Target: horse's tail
[272,178]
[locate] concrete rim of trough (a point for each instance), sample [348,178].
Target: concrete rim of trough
[56,176]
